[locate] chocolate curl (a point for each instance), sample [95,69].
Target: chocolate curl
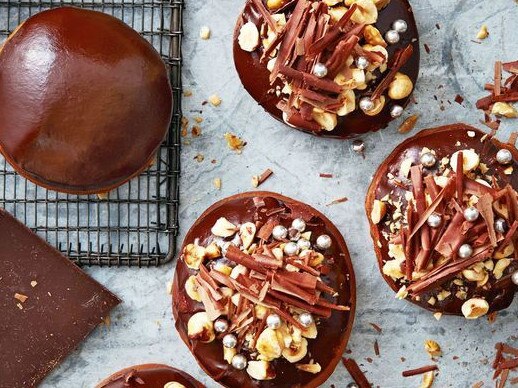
[417,182]
[333,33]
[266,15]
[451,239]
[409,251]
[279,284]
[498,78]
[294,118]
[318,310]
[340,54]
[511,67]
[289,318]
[307,268]
[236,255]
[419,371]
[267,261]
[278,38]
[311,80]
[460,176]
[473,187]
[508,237]
[400,59]
[332,306]
[423,257]
[485,102]
[485,207]
[356,373]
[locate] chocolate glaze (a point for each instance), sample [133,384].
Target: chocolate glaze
[255,77]
[334,332]
[85,101]
[442,140]
[61,309]
[148,376]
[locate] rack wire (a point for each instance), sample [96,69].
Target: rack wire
[137,224]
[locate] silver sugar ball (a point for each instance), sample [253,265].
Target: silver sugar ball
[400,26]
[465,251]
[362,63]
[358,146]
[303,244]
[239,361]
[392,36]
[366,104]
[273,321]
[324,241]
[279,232]
[293,234]
[514,278]
[306,319]
[320,70]
[229,341]
[220,325]
[299,224]
[434,220]
[504,156]
[396,111]
[352,385]
[428,159]
[501,225]
[291,248]
[471,214]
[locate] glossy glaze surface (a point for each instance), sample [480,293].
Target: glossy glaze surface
[333,332]
[255,77]
[445,141]
[85,101]
[148,376]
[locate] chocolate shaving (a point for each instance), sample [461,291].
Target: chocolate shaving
[266,15]
[485,207]
[337,201]
[263,177]
[357,375]
[376,327]
[400,58]
[459,176]
[376,348]
[498,78]
[419,371]
[311,80]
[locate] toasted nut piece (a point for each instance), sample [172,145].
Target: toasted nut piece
[173,384]
[443,295]
[212,251]
[473,276]
[238,269]
[284,335]
[489,265]
[200,328]
[483,33]
[396,251]
[215,100]
[235,299]
[432,348]
[471,160]
[373,36]
[310,368]
[275,4]
[349,103]
[441,181]
[191,287]
[506,252]
[260,370]
[392,268]
[482,282]
[278,253]
[247,234]
[336,13]
[402,293]
[366,13]
[427,380]
[217,183]
[193,255]
[327,120]
[296,352]
[268,344]
[504,109]
[222,267]
[228,354]
[248,38]
[400,87]
[474,308]
[260,311]
[500,267]
[205,32]
[223,228]
[379,104]
[310,331]
[331,3]
[381,3]
[296,334]
[379,209]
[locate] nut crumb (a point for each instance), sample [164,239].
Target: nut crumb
[187,93]
[196,131]
[234,142]
[215,100]
[217,183]
[198,119]
[199,158]
[483,33]
[169,287]
[19,306]
[22,298]
[432,348]
[205,32]
[408,124]
[34,283]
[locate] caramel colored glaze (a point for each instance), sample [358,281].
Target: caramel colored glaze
[148,376]
[85,101]
[255,77]
[442,140]
[334,332]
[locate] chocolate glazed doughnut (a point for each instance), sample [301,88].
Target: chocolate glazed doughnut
[272,220]
[150,376]
[294,95]
[85,101]
[457,253]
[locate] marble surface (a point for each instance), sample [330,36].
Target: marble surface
[141,328]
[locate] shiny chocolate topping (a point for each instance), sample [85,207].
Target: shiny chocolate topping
[336,272]
[447,294]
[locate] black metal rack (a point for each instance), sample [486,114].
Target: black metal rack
[137,224]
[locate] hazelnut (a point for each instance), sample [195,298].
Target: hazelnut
[248,38]
[366,13]
[296,352]
[432,348]
[205,32]
[223,228]
[193,255]
[173,384]
[500,267]
[379,104]
[349,103]
[310,368]
[268,344]
[483,33]
[474,308]
[471,160]
[228,354]
[427,380]
[275,4]
[400,87]
[379,209]
[260,370]
[326,120]
[247,234]
[504,109]
[191,288]
[373,36]
[200,328]
[336,13]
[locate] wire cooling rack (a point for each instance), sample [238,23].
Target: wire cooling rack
[137,224]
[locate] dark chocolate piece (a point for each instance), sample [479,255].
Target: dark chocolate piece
[255,77]
[446,240]
[266,210]
[149,376]
[48,305]
[85,101]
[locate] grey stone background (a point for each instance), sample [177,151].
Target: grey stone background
[141,328]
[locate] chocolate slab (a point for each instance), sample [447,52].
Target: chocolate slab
[444,141]
[48,305]
[85,101]
[333,333]
[148,376]
[255,76]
